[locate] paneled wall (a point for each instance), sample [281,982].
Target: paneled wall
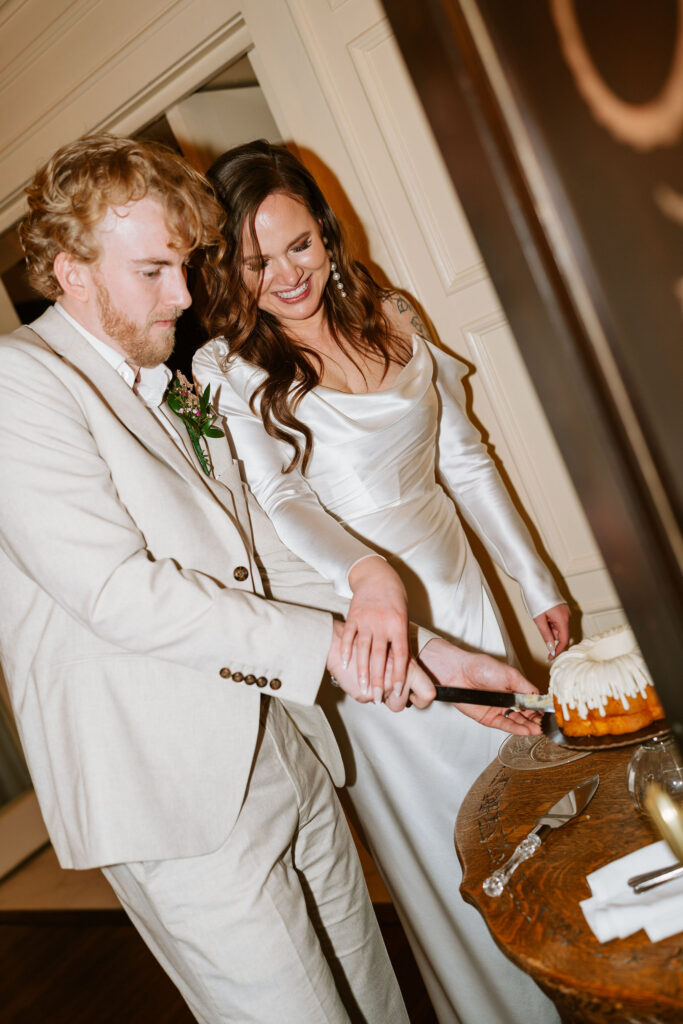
[430,251]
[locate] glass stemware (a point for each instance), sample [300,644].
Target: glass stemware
[656,760]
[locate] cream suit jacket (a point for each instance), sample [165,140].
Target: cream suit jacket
[121,612]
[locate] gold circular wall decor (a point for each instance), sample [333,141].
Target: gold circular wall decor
[643,126]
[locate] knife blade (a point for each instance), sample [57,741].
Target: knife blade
[566,809]
[495,698]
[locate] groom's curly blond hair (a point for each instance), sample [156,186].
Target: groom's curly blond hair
[70,195]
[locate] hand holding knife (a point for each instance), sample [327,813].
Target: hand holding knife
[495,698]
[474,680]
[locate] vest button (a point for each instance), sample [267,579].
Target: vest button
[225,673]
[249,680]
[275,684]
[238,677]
[241,573]
[261,681]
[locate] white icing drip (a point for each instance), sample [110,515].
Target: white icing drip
[588,674]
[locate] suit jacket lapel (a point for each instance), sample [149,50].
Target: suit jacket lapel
[226,472]
[180,430]
[67,342]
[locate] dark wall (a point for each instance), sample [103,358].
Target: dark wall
[561,124]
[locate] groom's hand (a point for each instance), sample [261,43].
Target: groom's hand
[418,685]
[451,666]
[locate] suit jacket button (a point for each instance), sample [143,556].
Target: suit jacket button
[275,684]
[241,573]
[249,680]
[238,677]
[225,673]
[261,681]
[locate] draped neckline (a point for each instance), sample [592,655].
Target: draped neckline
[333,414]
[418,342]
[329,412]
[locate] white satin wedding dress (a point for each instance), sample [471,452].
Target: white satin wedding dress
[388,466]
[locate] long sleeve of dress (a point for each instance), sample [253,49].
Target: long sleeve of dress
[468,474]
[301,522]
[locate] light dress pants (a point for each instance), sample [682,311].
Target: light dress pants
[275,927]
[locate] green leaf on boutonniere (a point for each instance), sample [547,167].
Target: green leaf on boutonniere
[196,414]
[205,398]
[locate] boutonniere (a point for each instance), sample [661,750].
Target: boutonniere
[196,413]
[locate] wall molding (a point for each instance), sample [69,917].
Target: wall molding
[438,231]
[54,23]
[575,555]
[142,77]
[386,238]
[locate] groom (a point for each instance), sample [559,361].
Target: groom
[162,698]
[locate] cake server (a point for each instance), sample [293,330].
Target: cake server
[570,806]
[495,698]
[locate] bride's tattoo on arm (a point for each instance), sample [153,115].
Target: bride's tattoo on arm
[418,324]
[403,306]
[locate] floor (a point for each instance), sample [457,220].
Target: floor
[69,956]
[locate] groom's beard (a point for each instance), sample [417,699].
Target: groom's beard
[142,344]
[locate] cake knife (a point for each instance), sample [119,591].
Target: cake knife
[495,698]
[568,807]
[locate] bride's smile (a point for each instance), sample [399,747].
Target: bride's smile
[289,268]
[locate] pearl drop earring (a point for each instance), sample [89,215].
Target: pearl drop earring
[336,276]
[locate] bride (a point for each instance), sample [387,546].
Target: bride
[351,428]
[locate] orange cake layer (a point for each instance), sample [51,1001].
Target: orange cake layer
[616,720]
[602,687]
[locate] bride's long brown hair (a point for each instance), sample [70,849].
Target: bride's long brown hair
[242,178]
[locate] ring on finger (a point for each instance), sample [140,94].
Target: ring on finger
[508,712]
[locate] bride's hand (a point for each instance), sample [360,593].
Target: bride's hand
[553,626]
[376,625]
[419,687]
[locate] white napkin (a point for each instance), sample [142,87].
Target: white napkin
[615,911]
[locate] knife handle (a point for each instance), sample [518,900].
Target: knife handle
[463,695]
[495,883]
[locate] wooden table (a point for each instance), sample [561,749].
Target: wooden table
[537,922]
